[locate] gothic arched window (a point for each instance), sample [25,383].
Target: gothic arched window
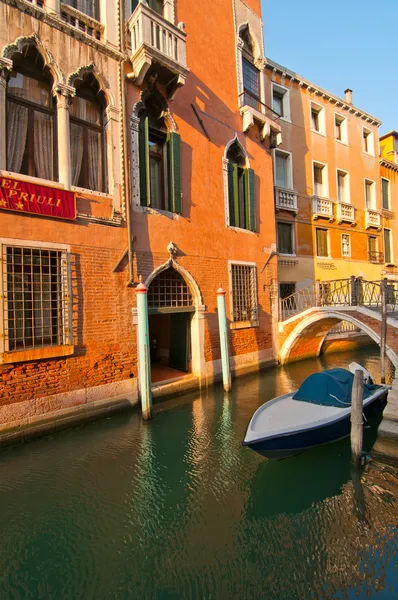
[87,136]
[241,198]
[250,73]
[31,118]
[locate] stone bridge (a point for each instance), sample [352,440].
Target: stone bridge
[306,317]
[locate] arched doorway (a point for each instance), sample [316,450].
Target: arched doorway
[170,308]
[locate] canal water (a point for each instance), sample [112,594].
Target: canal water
[178,509]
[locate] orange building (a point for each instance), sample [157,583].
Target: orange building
[125,156]
[326,176]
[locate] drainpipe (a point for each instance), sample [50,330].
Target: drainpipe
[144,352]
[222,323]
[124,126]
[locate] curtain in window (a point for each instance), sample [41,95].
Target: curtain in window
[281,170]
[17,129]
[44,144]
[318,181]
[94,166]
[76,151]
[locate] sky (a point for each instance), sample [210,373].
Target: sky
[337,45]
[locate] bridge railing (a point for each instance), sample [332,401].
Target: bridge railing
[354,291]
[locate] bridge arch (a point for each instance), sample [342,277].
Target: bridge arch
[306,338]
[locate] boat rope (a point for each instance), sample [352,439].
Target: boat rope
[338,400]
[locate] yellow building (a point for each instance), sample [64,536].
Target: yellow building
[327,184]
[389,190]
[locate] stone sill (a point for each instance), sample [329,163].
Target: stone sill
[244,324]
[29,179]
[36,354]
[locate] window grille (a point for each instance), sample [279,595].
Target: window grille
[35,290]
[244,292]
[169,290]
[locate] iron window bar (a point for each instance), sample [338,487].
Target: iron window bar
[249,99]
[244,293]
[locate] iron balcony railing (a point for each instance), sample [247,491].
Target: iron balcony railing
[249,99]
[375,257]
[340,292]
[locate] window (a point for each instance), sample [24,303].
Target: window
[388,256]
[283,169]
[160,166]
[342,186]
[345,244]
[280,101]
[286,290]
[35,284]
[285,238]
[367,141]
[340,128]
[88,7]
[318,118]
[373,253]
[241,197]
[87,137]
[31,120]
[251,84]
[320,180]
[370,197]
[244,292]
[322,242]
[385,193]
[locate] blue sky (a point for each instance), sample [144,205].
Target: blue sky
[337,45]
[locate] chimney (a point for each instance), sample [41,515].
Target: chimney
[348,96]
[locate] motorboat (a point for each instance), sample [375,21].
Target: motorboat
[317,413]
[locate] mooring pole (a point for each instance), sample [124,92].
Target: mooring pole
[222,324]
[357,418]
[144,360]
[383,293]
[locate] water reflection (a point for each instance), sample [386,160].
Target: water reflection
[177,508]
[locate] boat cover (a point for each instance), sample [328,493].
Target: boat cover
[330,388]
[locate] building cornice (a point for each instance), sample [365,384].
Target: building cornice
[389,165]
[339,102]
[54,20]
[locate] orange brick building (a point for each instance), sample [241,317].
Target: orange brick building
[147,155]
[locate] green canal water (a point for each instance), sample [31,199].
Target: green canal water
[178,509]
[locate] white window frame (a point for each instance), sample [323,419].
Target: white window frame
[373,194]
[293,230]
[349,245]
[328,243]
[285,93]
[242,324]
[389,193]
[289,157]
[391,246]
[347,187]
[325,178]
[370,141]
[344,128]
[321,118]
[66,325]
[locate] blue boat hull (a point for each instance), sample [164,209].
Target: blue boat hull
[290,444]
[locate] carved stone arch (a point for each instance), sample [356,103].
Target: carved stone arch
[257,51]
[21,43]
[102,81]
[237,141]
[165,114]
[186,275]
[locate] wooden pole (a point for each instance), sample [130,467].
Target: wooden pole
[223,327]
[357,418]
[383,293]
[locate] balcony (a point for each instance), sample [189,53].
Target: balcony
[81,21]
[372,219]
[252,109]
[159,47]
[322,208]
[376,257]
[286,199]
[346,213]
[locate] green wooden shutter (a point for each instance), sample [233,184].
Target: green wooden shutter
[174,172]
[250,200]
[144,162]
[233,194]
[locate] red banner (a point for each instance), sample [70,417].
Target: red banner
[35,199]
